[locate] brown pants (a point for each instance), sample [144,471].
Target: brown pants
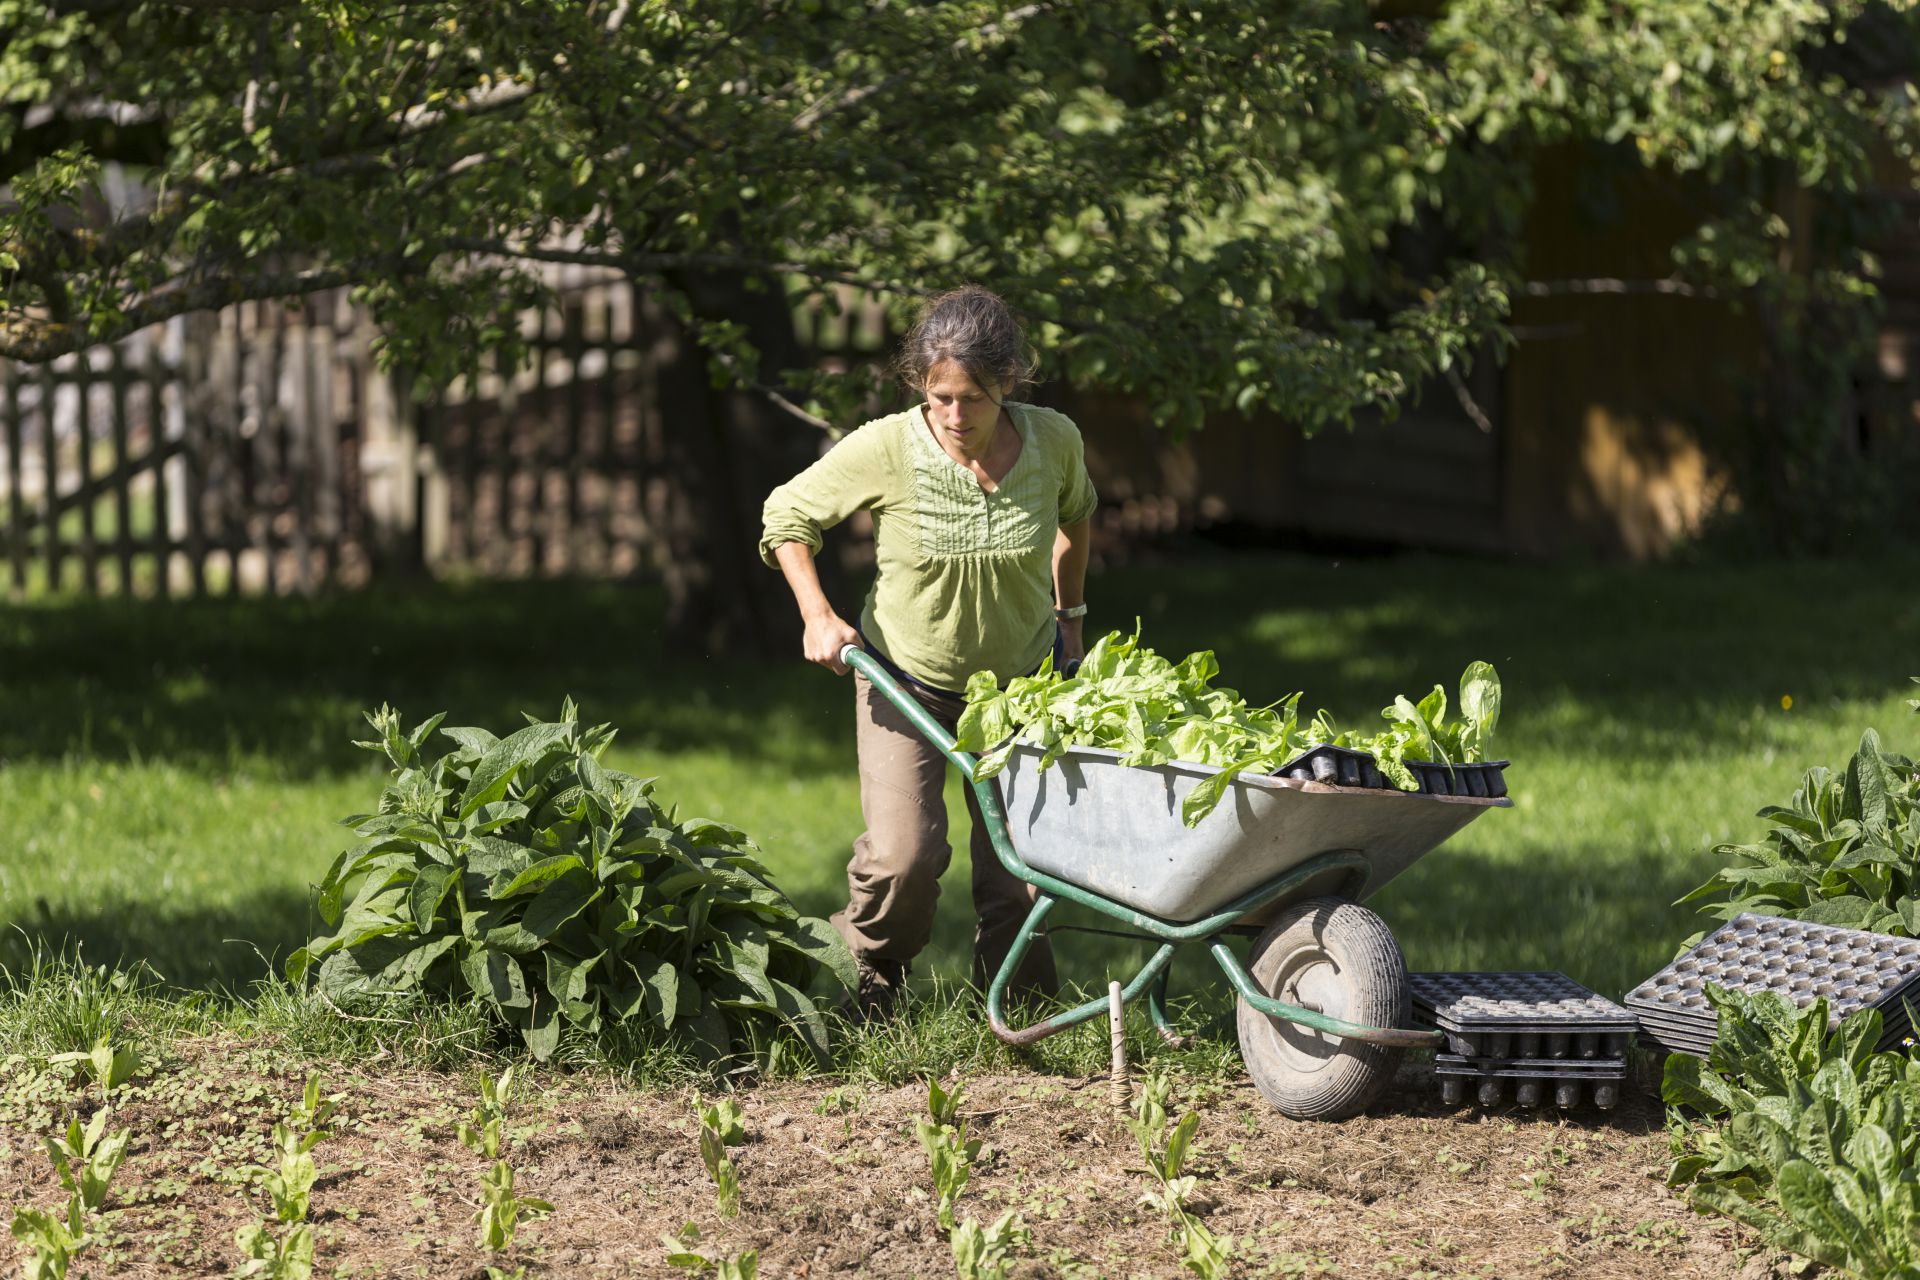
[893,880]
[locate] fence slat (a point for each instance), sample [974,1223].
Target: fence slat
[89,540]
[297,459]
[268,452]
[123,490]
[16,483]
[575,346]
[537,455]
[163,532]
[50,458]
[506,413]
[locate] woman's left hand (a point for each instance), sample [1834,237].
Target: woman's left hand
[1073,644]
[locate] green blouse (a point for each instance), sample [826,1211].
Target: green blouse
[964,577]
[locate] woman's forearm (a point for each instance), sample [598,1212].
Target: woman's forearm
[1071,549]
[796,565]
[827,633]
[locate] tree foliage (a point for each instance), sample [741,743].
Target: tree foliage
[1205,204]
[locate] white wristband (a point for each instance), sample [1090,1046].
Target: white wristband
[1077,611]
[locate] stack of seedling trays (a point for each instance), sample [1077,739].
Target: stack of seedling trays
[1800,960]
[1345,767]
[1528,1036]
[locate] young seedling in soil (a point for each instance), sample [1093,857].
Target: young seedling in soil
[289,1255]
[49,1241]
[981,1253]
[271,1257]
[950,1153]
[481,1132]
[722,1126]
[109,1067]
[86,1159]
[501,1209]
[291,1185]
[682,1253]
[1165,1151]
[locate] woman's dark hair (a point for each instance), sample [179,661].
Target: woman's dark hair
[974,328]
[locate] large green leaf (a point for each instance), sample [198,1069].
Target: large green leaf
[495,976]
[538,874]
[565,897]
[496,769]
[820,942]
[429,889]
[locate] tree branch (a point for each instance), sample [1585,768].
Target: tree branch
[853,97]
[1670,286]
[655,263]
[1467,402]
[36,341]
[99,7]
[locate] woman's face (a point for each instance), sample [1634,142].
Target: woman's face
[962,412]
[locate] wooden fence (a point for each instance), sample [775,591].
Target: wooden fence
[262,450]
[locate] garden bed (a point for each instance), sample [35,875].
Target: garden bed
[833,1182]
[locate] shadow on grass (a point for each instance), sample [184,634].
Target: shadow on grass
[201,682]
[1656,660]
[208,947]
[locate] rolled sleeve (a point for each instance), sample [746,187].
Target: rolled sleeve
[1077,497]
[850,476]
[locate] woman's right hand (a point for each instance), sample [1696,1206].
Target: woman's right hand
[827,634]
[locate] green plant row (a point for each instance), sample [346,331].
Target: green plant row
[560,892]
[1817,1134]
[1128,698]
[1844,850]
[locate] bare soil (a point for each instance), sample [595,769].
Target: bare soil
[833,1182]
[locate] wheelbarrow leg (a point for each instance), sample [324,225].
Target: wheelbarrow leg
[1153,970]
[1157,1006]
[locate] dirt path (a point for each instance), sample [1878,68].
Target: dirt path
[833,1182]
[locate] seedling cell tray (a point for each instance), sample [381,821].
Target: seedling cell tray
[1336,767]
[1479,778]
[1801,960]
[1345,767]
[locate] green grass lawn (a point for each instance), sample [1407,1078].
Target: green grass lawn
[170,774]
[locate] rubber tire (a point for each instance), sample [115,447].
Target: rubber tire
[1341,957]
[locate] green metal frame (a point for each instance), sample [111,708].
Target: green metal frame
[1152,977]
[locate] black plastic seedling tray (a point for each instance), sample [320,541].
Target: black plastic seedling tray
[1337,767]
[1555,1044]
[1481,778]
[1345,767]
[1490,1089]
[1801,960]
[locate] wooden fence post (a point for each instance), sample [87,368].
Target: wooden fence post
[16,483]
[390,462]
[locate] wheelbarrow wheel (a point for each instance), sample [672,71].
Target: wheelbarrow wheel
[1338,958]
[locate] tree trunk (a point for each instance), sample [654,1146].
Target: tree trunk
[721,452]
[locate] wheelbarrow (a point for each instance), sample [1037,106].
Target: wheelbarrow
[1324,1002]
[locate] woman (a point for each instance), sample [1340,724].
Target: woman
[981,510]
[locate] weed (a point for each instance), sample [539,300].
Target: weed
[683,1252]
[501,1209]
[722,1126]
[109,1067]
[837,1101]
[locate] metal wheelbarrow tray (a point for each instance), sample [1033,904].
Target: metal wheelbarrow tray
[1115,830]
[1325,1005]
